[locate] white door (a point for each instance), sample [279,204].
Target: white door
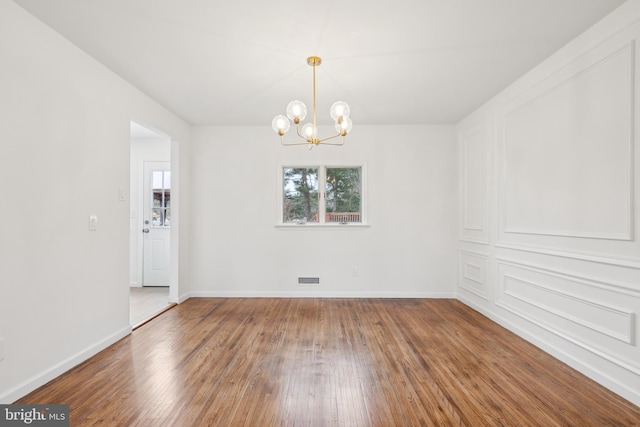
[156,225]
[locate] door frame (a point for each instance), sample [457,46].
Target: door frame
[150,145]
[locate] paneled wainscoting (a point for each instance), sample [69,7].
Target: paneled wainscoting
[317,362]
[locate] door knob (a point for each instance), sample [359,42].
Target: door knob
[145,230]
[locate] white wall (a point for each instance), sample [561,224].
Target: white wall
[142,150]
[549,205]
[408,250]
[64,135]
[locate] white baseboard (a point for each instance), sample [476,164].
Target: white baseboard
[62,367]
[310,293]
[180,299]
[624,390]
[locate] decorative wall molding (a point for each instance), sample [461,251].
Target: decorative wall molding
[472,273]
[596,73]
[578,242]
[594,282]
[470,138]
[608,260]
[607,319]
[570,233]
[569,357]
[476,241]
[626,317]
[598,352]
[473,184]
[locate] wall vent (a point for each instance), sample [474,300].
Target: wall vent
[308,280]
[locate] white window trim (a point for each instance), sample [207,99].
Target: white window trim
[321,206]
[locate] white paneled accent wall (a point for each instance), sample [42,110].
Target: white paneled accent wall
[558,157]
[474,217]
[473,273]
[565,166]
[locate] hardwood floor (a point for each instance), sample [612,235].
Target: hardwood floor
[318,362]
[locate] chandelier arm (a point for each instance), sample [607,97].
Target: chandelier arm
[289,144]
[321,141]
[286,144]
[332,143]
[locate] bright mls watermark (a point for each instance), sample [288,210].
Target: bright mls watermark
[34,415]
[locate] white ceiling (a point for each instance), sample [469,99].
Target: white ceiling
[395,62]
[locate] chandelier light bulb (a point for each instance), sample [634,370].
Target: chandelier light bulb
[296,111]
[308,131]
[339,109]
[344,127]
[280,124]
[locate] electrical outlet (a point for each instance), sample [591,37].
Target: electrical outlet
[1,349]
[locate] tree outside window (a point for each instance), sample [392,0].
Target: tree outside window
[343,195]
[300,202]
[338,200]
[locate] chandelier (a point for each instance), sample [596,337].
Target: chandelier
[297,111]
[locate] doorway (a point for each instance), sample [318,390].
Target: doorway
[156,223]
[150,223]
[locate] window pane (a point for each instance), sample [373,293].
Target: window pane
[343,195]
[156,179]
[156,217]
[157,198]
[300,202]
[167,180]
[167,198]
[167,217]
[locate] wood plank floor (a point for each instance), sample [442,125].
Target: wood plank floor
[319,362]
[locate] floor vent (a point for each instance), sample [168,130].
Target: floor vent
[308,280]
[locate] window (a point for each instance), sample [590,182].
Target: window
[300,202]
[161,189]
[322,195]
[343,195]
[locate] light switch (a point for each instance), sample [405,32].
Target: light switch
[1,349]
[93,222]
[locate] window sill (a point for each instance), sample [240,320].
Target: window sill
[321,226]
